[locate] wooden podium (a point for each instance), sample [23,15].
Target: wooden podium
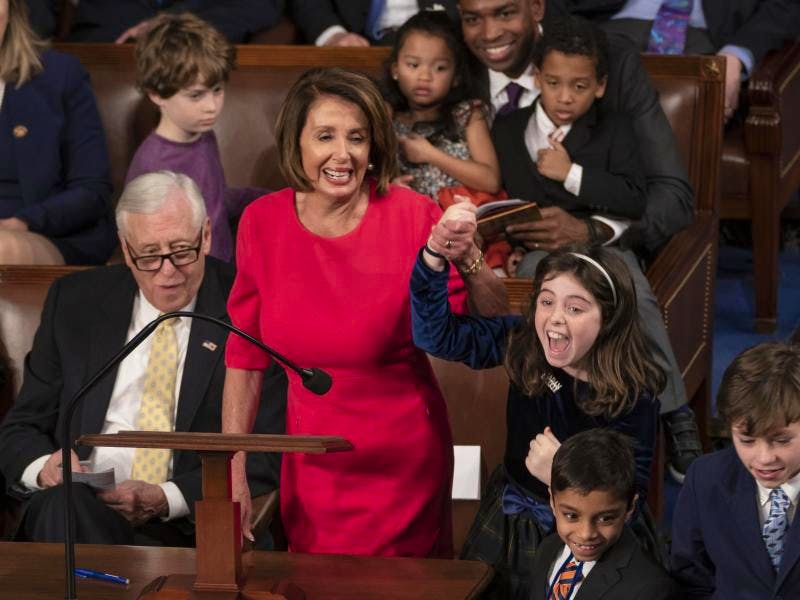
[219,573]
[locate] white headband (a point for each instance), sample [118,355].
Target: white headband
[600,268]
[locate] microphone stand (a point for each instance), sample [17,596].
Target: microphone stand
[315,380]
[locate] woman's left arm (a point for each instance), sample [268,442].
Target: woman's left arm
[84,196]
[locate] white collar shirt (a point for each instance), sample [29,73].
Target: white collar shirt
[792,489]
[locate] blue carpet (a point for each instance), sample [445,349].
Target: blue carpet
[733,323]
[733,306]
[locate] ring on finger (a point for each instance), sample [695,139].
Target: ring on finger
[448,244]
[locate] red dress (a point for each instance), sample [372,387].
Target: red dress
[342,304]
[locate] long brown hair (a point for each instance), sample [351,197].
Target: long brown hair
[619,364]
[20,47]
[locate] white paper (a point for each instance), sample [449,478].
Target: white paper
[467,473]
[101,480]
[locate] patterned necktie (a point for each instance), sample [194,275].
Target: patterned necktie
[513,94]
[668,35]
[157,409]
[373,19]
[776,525]
[569,576]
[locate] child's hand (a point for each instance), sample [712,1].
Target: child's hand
[403,180]
[415,147]
[540,456]
[554,162]
[513,260]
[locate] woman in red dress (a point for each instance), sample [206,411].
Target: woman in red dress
[323,276]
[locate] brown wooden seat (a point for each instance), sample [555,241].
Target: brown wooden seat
[761,169]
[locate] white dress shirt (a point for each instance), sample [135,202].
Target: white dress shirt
[792,490]
[2,92]
[537,134]
[123,407]
[560,559]
[497,88]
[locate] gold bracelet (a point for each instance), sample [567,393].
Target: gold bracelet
[474,267]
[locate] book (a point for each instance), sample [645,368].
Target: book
[494,217]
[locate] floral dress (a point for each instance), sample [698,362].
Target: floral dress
[429,179]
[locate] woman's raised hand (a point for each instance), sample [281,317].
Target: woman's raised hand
[454,235]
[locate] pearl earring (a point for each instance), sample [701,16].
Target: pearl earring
[370,166]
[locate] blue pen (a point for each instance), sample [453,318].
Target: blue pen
[89,574]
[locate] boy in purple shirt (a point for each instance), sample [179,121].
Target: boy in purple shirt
[183,64]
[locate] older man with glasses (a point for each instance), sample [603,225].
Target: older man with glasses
[171,382]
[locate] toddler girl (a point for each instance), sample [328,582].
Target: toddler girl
[442,130]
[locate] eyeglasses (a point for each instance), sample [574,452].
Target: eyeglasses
[179,258]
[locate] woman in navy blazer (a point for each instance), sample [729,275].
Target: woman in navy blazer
[55,193]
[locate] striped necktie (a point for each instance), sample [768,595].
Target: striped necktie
[668,35]
[776,525]
[157,408]
[568,577]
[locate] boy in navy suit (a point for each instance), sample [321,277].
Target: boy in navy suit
[735,533]
[593,555]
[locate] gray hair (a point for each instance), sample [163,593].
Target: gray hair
[147,193]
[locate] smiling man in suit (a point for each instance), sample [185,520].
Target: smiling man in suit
[171,382]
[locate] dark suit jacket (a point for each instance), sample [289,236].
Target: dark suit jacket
[612,181]
[717,548]
[758,25]
[84,322]
[670,202]
[106,20]
[315,16]
[624,572]
[62,161]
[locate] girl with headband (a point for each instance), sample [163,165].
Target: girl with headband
[576,360]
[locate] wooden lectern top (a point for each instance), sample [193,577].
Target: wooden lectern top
[218,442]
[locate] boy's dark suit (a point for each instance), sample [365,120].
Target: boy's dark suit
[624,572]
[604,145]
[717,548]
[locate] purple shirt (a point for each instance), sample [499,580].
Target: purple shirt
[200,161]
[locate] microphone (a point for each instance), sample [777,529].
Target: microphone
[315,380]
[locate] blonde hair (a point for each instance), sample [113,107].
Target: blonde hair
[20,48]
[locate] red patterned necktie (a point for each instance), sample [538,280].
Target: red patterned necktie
[569,576]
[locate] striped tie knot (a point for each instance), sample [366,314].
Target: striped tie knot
[569,576]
